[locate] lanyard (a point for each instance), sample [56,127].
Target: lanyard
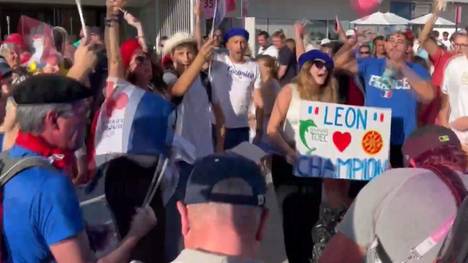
[431,241]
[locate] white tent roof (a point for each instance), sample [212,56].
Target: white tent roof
[440,21]
[379,18]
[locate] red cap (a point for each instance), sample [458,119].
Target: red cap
[127,49]
[16,39]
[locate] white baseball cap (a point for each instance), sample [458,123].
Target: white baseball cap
[325,41]
[350,33]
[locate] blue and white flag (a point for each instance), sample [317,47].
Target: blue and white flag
[132,121]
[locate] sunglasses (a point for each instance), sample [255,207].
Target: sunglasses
[364,52]
[460,45]
[140,59]
[319,64]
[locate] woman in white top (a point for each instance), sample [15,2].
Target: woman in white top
[313,83]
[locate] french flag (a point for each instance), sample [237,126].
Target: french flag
[132,121]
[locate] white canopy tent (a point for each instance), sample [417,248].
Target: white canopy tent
[381,19]
[440,21]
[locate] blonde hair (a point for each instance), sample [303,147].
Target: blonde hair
[309,90]
[5,49]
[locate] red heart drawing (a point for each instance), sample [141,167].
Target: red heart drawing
[341,140]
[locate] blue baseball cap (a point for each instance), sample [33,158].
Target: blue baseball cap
[314,55]
[236,32]
[226,178]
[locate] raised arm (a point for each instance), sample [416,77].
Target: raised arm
[299,37]
[198,12]
[85,61]
[344,59]
[424,37]
[422,87]
[112,39]
[134,22]
[188,77]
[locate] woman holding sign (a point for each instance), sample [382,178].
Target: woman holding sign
[303,195]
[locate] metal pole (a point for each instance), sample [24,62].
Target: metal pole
[8,24]
[71,25]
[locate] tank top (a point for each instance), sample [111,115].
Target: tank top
[291,124]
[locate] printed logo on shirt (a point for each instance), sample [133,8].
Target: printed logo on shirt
[240,73]
[381,83]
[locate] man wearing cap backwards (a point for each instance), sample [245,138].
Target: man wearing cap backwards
[235,78]
[398,210]
[223,214]
[392,83]
[42,220]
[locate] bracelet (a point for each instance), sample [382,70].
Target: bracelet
[142,37]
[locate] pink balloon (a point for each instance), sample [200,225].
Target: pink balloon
[365,7]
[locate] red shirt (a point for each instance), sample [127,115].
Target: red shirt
[440,59]
[428,113]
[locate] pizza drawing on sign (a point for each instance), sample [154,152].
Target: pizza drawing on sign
[372,142]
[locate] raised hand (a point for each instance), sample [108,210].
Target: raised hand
[131,20]
[116,5]
[207,49]
[85,55]
[438,6]
[299,28]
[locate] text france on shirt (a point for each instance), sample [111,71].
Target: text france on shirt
[384,84]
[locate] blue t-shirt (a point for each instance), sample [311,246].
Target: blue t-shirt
[401,98]
[40,209]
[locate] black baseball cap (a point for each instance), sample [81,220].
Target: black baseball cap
[226,178]
[429,138]
[50,88]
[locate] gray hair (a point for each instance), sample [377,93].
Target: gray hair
[31,117]
[5,49]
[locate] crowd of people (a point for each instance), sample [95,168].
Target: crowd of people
[213,204]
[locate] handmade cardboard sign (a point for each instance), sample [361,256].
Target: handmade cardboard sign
[343,142]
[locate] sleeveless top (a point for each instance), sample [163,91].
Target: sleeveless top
[291,124]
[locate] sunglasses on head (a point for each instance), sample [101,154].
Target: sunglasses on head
[319,64]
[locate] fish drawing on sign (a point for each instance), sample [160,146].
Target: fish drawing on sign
[304,126]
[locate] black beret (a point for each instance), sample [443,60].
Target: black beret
[50,88]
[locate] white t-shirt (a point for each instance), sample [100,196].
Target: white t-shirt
[455,86]
[271,51]
[194,117]
[233,86]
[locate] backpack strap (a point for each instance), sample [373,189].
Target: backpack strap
[13,166]
[459,192]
